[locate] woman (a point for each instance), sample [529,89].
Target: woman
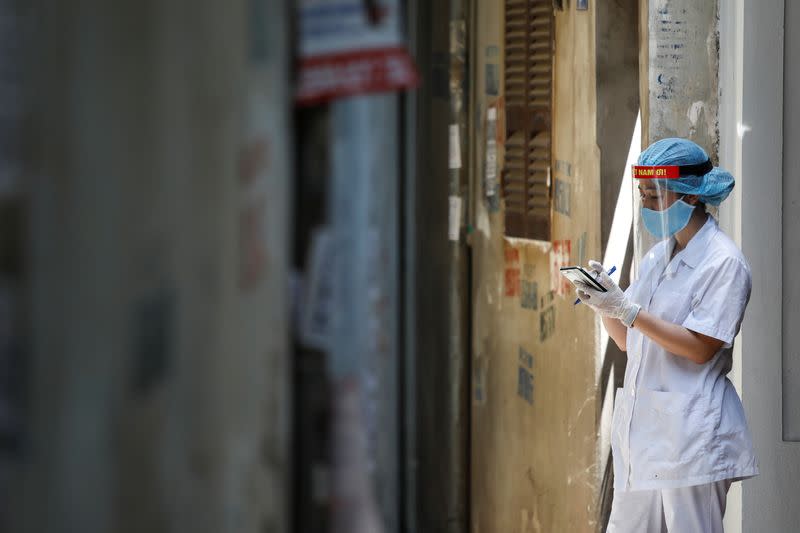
[679,435]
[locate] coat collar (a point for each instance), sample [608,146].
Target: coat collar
[696,247]
[690,256]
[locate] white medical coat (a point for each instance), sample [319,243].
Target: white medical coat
[677,423]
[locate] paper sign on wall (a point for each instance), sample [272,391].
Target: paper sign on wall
[455,147]
[351,47]
[454,220]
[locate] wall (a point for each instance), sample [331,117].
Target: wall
[534,395]
[681,46]
[158,260]
[679,80]
[758,130]
[767,135]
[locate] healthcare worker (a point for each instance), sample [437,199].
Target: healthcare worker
[679,434]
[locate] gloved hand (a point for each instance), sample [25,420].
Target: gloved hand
[612,303]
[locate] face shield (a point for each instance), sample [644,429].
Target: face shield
[660,207]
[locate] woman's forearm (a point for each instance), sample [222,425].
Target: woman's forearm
[677,339]
[617,331]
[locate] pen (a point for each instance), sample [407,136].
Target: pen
[611,271]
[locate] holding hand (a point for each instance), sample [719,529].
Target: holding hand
[613,303]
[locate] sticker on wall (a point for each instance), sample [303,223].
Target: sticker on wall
[454,218]
[582,5]
[455,147]
[529,270]
[561,197]
[525,376]
[547,323]
[492,79]
[525,358]
[564,167]
[512,282]
[546,299]
[317,312]
[490,172]
[560,257]
[582,249]
[512,271]
[529,298]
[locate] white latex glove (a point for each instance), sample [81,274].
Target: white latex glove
[612,303]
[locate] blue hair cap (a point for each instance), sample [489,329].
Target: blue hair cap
[712,188]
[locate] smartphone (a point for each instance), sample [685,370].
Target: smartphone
[576,273]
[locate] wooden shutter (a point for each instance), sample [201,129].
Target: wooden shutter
[529,94]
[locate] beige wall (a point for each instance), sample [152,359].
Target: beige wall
[534,459]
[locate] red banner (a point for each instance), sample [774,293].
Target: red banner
[655,172]
[324,77]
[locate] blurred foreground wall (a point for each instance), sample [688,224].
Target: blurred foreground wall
[157,263]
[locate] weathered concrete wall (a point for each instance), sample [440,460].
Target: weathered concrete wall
[679,78]
[682,72]
[534,394]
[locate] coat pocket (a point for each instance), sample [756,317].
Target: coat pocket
[671,306]
[671,434]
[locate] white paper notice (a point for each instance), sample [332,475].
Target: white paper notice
[455,147]
[491,152]
[454,225]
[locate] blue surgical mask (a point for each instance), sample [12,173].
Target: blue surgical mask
[666,223]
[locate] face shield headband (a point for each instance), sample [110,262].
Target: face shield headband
[670,171]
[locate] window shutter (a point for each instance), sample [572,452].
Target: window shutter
[528,93]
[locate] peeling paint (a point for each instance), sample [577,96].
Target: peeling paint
[541,246]
[694,112]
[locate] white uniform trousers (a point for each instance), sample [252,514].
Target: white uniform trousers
[697,509]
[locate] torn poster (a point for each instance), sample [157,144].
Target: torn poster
[351,47]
